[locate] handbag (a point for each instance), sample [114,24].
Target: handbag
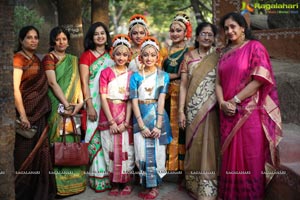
[71,153]
[27,133]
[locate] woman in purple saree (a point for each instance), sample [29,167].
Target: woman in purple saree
[250,120]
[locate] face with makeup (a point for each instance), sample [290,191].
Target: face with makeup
[121,55]
[149,56]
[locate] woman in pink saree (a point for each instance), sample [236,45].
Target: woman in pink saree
[250,120]
[115,115]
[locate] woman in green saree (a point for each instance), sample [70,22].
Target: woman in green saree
[64,80]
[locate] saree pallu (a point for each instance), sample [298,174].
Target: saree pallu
[176,149]
[118,148]
[98,176]
[150,154]
[202,132]
[32,156]
[250,137]
[69,180]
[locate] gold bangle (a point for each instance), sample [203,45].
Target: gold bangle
[87,99]
[111,122]
[143,128]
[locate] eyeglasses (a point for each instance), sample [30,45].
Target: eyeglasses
[203,34]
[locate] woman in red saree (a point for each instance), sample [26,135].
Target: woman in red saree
[250,118]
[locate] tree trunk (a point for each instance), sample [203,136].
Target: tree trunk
[7,109]
[100,10]
[69,17]
[196,7]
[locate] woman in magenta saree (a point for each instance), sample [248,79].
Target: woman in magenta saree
[250,117]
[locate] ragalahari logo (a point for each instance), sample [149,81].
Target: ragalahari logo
[246,7]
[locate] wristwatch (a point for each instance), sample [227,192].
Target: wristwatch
[236,100]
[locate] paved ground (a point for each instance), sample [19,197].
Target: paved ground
[167,191]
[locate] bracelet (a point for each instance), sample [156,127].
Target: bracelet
[160,114]
[180,111]
[138,117]
[236,99]
[111,122]
[157,127]
[69,107]
[143,128]
[87,99]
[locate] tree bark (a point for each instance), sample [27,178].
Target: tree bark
[7,109]
[69,17]
[195,4]
[100,10]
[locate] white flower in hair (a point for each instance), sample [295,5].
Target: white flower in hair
[149,42]
[180,17]
[137,21]
[121,40]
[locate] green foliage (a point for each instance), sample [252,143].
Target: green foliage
[159,13]
[24,16]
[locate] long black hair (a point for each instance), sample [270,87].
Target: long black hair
[22,34]
[54,33]
[238,18]
[200,27]
[89,41]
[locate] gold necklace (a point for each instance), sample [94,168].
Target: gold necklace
[174,62]
[100,54]
[59,57]
[26,54]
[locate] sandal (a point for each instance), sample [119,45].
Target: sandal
[114,192]
[126,190]
[152,194]
[144,193]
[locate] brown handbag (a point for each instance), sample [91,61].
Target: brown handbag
[70,153]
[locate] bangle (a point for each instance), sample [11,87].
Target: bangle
[69,107]
[138,117]
[180,111]
[236,99]
[160,114]
[111,122]
[157,127]
[87,99]
[143,128]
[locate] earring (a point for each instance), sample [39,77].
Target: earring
[185,39]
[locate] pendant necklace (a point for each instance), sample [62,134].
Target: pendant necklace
[174,62]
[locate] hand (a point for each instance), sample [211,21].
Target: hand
[91,113]
[25,122]
[155,133]
[114,129]
[146,133]
[76,109]
[122,128]
[182,120]
[228,108]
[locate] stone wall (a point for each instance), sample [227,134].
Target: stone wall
[281,43]
[7,110]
